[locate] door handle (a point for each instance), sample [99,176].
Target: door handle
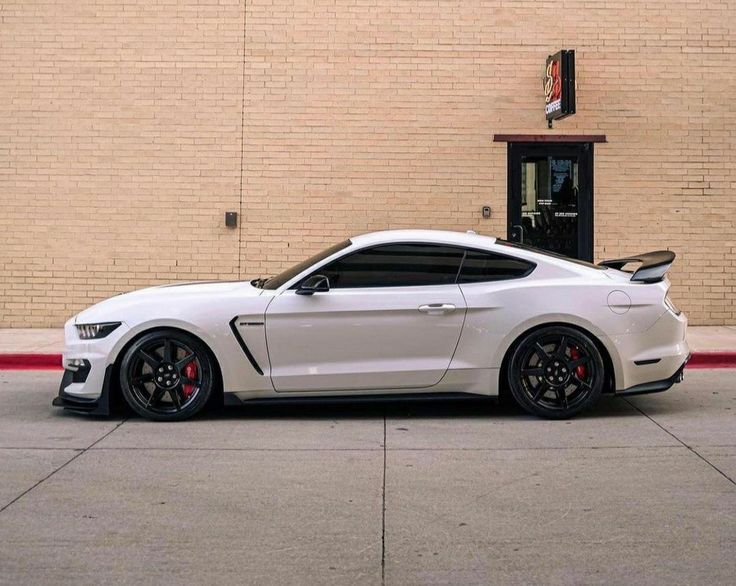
[437,308]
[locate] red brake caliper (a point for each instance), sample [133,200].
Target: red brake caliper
[190,371]
[579,370]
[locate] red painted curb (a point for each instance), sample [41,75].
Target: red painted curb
[717,359]
[30,361]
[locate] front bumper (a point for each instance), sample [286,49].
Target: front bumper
[99,405]
[91,392]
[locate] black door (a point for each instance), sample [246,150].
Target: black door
[550,189]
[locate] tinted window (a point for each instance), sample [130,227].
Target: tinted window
[577,261]
[288,274]
[485,266]
[395,265]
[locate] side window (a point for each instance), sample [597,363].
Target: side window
[395,265]
[479,267]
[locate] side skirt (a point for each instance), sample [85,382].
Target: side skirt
[231,399]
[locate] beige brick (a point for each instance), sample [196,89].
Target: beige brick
[127,130]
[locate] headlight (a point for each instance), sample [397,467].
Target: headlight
[95,331]
[671,306]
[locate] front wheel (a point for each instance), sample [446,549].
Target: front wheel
[556,372]
[166,375]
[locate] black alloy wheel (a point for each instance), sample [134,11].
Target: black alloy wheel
[556,372]
[166,375]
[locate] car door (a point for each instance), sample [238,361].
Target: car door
[390,320]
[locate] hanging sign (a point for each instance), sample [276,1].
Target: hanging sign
[559,85]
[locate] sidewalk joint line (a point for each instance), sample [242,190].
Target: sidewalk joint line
[383,508]
[41,448]
[693,450]
[227,449]
[287,449]
[64,465]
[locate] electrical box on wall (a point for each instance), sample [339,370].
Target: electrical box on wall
[231,219]
[486,211]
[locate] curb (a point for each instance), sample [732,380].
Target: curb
[30,362]
[715,359]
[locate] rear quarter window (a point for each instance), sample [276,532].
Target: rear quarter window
[481,267]
[576,261]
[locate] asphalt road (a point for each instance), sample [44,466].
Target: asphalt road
[639,492]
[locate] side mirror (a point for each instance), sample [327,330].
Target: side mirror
[314,284]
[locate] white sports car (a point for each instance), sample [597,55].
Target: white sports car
[389,313]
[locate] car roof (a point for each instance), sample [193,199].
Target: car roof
[469,238]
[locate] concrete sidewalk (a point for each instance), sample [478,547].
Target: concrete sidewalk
[51,340]
[31,341]
[638,491]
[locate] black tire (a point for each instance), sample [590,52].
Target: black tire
[556,372]
[167,375]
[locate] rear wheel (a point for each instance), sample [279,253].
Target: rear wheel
[556,372]
[166,375]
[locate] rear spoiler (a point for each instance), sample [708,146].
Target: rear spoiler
[653,267]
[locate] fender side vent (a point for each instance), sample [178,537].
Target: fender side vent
[643,362]
[244,346]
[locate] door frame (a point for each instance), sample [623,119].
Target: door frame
[584,152]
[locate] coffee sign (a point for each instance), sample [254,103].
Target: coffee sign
[559,85]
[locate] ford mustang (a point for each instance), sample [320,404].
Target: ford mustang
[394,313]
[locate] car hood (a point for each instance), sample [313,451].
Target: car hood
[165,299]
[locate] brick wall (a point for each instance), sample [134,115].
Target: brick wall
[126,132]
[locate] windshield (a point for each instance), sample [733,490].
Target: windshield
[288,274]
[577,261]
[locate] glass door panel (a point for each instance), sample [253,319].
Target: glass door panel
[550,197]
[549,203]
